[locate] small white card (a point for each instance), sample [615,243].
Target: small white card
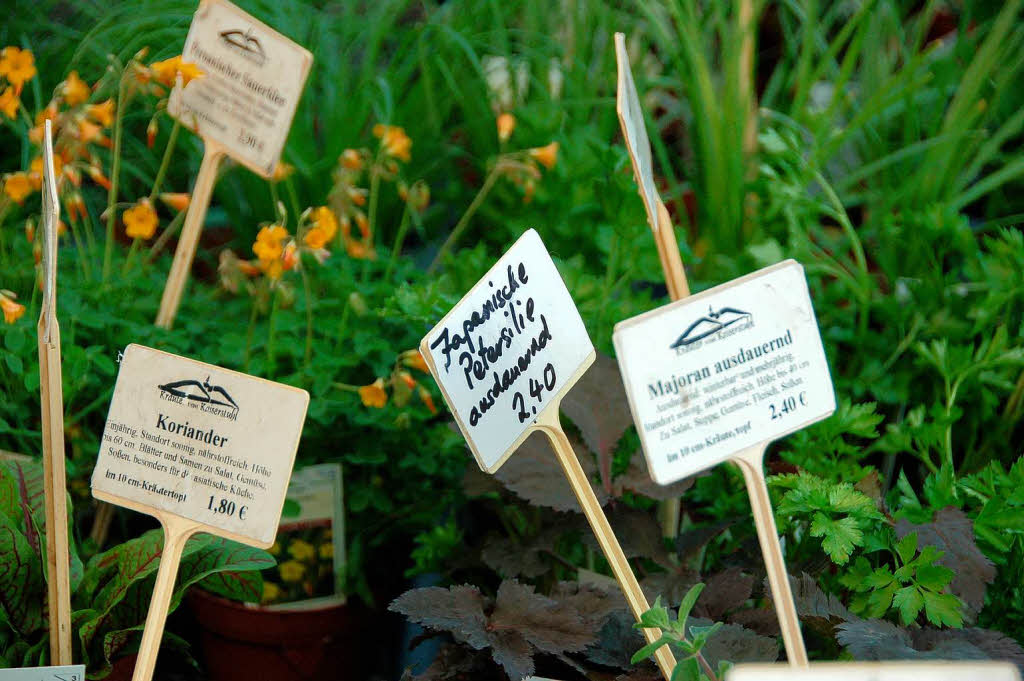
[945,670]
[70,672]
[512,344]
[201,442]
[631,118]
[724,370]
[253,79]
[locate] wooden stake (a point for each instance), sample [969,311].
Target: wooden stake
[177,531]
[189,238]
[751,462]
[58,554]
[548,423]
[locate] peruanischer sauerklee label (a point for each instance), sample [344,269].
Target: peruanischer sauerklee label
[204,443]
[252,81]
[726,369]
[513,344]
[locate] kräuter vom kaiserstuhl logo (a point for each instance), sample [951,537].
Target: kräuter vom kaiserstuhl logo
[716,324]
[201,395]
[245,44]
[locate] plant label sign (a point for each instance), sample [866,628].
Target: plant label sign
[724,370]
[631,119]
[252,80]
[70,672]
[513,345]
[203,443]
[945,670]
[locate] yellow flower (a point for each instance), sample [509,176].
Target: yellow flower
[271,592]
[35,134]
[102,113]
[506,124]
[268,242]
[546,155]
[374,395]
[351,159]
[89,131]
[9,103]
[75,90]
[325,226]
[17,65]
[177,201]
[17,186]
[167,71]
[326,551]
[272,268]
[394,141]
[292,571]
[140,220]
[12,310]
[316,238]
[301,550]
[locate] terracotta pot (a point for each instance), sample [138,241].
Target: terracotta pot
[244,643]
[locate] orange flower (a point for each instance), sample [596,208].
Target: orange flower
[17,186]
[89,131]
[140,220]
[546,155]
[167,71]
[151,130]
[356,195]
[351,159]
[282,171]
[102,113]
[358,250]
[9,103]
[268,242]
[506,124]
[35,174]
[272,268]
[394,141]
[35,134]
[364,225]
[12,310]
[325,219]
[98,177]
[75,90]
[17,65]
[315,238]
[75,205]
[414,359]
[290,259]
[374,395]
[178,202]
[427,399]
[406,378]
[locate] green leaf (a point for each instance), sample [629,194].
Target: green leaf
[909,602]
[840,536]
[702,634]
[907,547]
[686,670]
[649,649]
[943,609]
[880,600]
[934,577]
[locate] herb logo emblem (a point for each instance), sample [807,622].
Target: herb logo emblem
[713,323]
[245,44]
[211,398]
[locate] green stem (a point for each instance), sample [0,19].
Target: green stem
[403,227]
[115,171]
[374,196]
[307,291]
[131,256]
[83,257]
[293,197]
[166,161]
[165,236]
[4,208]
[271,362]
[463,222]
[249,335]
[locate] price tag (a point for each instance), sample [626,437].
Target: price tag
[253,78]
[70,672]
[512,345]
[724,370]
[631,118]
[199,442]
[945,670]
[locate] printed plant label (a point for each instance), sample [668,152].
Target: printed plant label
[253,78]
[946,670]
[513,344]
[631,118]
[70,672]
[723,370]
[201,442]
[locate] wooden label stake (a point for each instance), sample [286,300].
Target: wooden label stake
[718,376]
[242,107]
[899,670]
[51,399]
[201,448]
[504,357]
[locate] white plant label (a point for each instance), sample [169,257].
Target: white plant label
[723,370]
[512,344]
[945,670]
[201,442]
[70,672]
[631,118]
[253,78]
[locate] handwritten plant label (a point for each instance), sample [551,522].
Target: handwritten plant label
[69,672]
[723,370]
[201,442]
[511,346]
[899,670]
[253,78]
[631,117]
